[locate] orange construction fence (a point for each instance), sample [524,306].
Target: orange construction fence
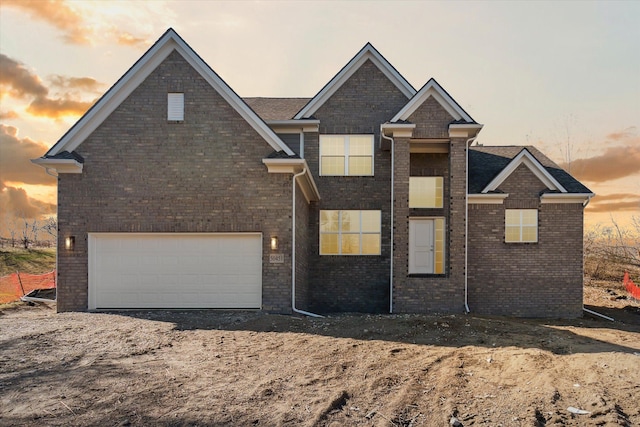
[16,285]
[631,287]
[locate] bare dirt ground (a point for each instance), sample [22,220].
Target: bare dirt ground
[211,368]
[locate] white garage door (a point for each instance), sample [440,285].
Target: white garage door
[132,270]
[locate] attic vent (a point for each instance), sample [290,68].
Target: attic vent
[175,107]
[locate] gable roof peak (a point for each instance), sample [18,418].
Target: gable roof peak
[367,53]
[433,89]
[169,42]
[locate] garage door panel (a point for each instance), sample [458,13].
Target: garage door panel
[175,270]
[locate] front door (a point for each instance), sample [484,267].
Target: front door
[421,253]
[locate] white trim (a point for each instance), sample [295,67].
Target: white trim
[368,52]
[295,166]
[487,199]
[294,126]
[566,197]
[464,130]
[527,159]
[169,42]
[59,165]
[432,88]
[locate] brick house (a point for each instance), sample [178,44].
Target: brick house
[174,192]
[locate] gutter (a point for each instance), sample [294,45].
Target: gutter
[293,248]
[466,227]
[390,139]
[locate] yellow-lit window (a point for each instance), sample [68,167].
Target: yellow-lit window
[425,191]
[346,155]
[521,225]
[438,240]
[350,232]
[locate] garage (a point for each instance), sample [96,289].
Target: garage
[175,270]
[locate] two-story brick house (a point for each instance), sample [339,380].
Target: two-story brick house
[174,192]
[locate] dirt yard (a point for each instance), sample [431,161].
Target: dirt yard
[210,368]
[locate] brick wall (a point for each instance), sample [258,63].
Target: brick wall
[143,174]
[353,283]
[430,293]
[432,121]
[542,279]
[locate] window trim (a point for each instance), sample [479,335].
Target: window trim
[340,233]
[521,226]
[346,140]
[441,193]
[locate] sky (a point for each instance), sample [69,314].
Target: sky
[562,76]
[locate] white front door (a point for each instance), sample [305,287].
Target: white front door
[421,253]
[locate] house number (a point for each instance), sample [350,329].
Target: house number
[276,258]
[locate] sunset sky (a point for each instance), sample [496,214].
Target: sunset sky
[563,76]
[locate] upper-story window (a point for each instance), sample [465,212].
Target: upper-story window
[346,155]
[521,225]
[175,107]
[425,191]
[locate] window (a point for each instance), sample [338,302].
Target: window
[346,155]
[425,191]
[350,232]
[175,107]
[521,225]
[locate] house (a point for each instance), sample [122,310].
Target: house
[175,192]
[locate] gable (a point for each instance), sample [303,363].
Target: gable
[433,90]
[490,166]
[367,54]
[364,101]
[170,42]
[431,119]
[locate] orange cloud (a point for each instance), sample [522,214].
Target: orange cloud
[623,134]
[614,163]
[8,115]
[83,83]
[80,23]
[619,202]
[15,156]
[16,80]
[57,13]
[56,108]
[16,203]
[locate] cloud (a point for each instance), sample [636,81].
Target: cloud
[15,156]
[17,81]
[8,115]
[618,202]
[56,108]
[57,13]
[614,163]
[87,84]
[84,22]
[629,132]
[15,202]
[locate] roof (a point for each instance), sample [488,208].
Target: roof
[432,88]
[487,162]
[170,41]
[367,53]
[276,108]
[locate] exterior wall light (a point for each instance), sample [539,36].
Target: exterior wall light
[69,242]
[274,243]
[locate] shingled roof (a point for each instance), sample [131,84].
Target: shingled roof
[276,108]
[485,163]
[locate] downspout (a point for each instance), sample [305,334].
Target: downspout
[293,249]
[466,227]
[392,209]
